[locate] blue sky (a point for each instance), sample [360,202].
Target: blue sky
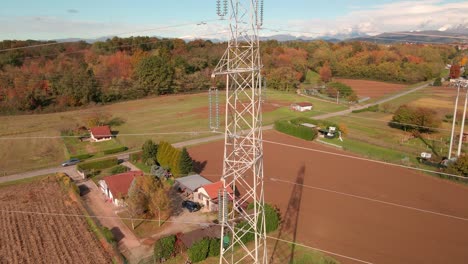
[52,19]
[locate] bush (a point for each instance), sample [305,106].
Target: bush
[374,108]
[119,169]
[199,250]
[165,247]
[81,157]
[98,165]
[134,157]
[215,247]
[437,82]
[295,130]
[114,150]
[272,217]
[108,235]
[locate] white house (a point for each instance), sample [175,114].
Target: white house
[115,187]
[100,133]
[301,107]
[207,195]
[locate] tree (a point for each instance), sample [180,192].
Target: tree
[421,119]
[437,82]
[455,71]
[199,250]
[460,166]
[149,152]
[155,74]
[325,73]
[186,162]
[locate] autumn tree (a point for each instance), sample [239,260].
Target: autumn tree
[460,166]
[325,73]
[421,119]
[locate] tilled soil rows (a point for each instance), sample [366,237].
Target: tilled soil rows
[26,236]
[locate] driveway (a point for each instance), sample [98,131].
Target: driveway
[98,205]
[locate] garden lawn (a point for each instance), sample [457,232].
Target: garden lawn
[77,147]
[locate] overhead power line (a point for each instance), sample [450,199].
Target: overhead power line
[117,34]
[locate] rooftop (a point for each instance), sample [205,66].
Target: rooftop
[213,188]
[101,131]
[119,184]
[192,182]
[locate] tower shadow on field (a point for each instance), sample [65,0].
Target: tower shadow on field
[282,253]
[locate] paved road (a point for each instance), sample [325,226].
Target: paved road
[348,111]
[124,156]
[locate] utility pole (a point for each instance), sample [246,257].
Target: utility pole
[243,149]
[454,120]
[338,97]
[460,138]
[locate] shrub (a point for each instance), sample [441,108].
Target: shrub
[272,217]
[374,108]
[437,82]
[344,89]
[215,247]
[114,150]
[296,130]
[108,235]
[67,182]
[98,165]
[119,169]
[81,156]
[165,247]
[136,156]
[199,250]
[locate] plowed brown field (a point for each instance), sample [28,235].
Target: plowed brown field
[372,89]
[35,238]
[364,229]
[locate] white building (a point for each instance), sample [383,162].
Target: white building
[116,187]
[301,107]
[207,195]
[100,133]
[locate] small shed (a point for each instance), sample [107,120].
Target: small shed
[100,133]
[301,107]
[189,184]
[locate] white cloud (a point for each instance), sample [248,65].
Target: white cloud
[396,16]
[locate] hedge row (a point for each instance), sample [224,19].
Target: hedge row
[202,249]
[296,130]
[374,108]
[98,164]
[114,150]
[82,156]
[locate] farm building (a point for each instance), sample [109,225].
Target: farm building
[189,184]
[115,187]
[100,133]
[207,195]
[301,107]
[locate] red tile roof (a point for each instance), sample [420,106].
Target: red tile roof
[213,188]
[303,104]
[101,132]
[119,184]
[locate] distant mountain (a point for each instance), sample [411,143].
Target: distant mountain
[457,34]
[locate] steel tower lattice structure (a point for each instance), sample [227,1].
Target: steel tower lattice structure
[243,150]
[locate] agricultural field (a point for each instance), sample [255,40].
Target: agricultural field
[30,142]
[319,193]
[41,238]
[372,128]
[372,89]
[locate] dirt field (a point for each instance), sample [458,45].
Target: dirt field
[28,238]
[372,89]
[363,229]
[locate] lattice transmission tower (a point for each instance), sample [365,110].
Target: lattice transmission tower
[243,151]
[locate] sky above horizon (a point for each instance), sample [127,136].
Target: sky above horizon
[54,19]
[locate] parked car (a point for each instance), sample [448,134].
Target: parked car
[70,162]
[191,206]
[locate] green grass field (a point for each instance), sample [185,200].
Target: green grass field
[29,142]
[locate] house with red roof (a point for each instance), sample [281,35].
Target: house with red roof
[301,107]
[100,133]
[207,195]
[116,187]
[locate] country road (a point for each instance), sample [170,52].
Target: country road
[219,135]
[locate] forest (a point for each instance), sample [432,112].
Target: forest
[60,76]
